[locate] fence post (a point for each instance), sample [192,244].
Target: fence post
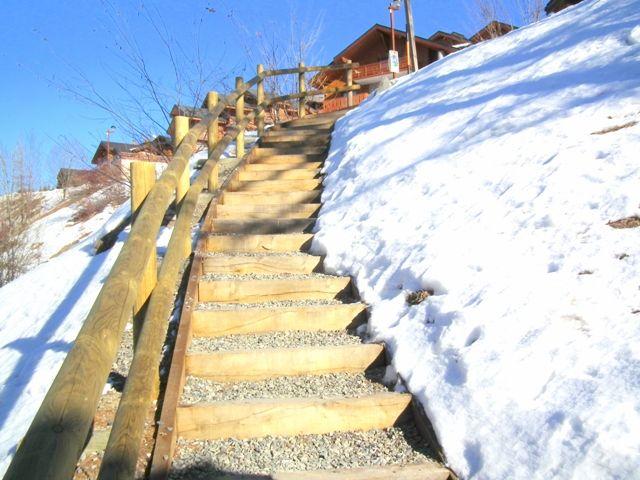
[212,140]
[349,84]
[180,129]
[143,177]
[239,118]
[302,88]
[260,96]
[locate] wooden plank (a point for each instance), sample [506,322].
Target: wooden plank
[287,417]
[296,210]
[257,198]
[217,323]
[268,151]
[251,291]
[264,226]
[293,174]
[295,141]
[274,167]
[253,365]
[259,243]
[290,158]
[276,185]
[265,264]
[303,130]
[420,471]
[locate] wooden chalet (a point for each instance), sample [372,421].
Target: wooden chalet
[371,52]
[493,29]
[158,150]
[454,39]
[555,6]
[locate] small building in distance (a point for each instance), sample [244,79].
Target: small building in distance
[555,6]
[493,29]
[158,150]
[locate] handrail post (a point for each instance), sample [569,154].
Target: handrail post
[212,140]
[349,84]
[179,129]
[143,177]
[239,119]
[260,98]
[302,88]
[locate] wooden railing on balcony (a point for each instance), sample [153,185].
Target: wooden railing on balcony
[341,103]
[377,69]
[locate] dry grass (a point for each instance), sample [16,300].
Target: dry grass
[416,298]
[629,222]
[112,195]
[615,128]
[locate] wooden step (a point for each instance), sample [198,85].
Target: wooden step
[296,210]
[263,226]
[276,185]
[278,167]
[254,365]
[278,198]
[296,136]
[288,417]
[301,130]
[263,264]
[293,174]
[257,291]
[291,242]
[217,323]
[295,141]
[269,151]
[419,471]
[290,159]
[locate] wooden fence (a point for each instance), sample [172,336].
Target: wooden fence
[60,429]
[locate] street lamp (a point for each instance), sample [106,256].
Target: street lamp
[394,6]
[110,130]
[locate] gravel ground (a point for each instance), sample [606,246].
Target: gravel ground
[273,304]
[211,277]
[255,254]
[320,386]
[211,459]
[273,340]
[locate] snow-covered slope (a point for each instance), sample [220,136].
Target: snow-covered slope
[489,177]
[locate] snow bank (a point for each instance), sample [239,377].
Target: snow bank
[489,178]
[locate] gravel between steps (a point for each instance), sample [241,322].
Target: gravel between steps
[348,385]
[255,254]
[212,277]
[200,459]
[288,339]
[313,302]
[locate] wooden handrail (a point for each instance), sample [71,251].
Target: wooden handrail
[291,71]
[58,432]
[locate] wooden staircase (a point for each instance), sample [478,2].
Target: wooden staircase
[252,280]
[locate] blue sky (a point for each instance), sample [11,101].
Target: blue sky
[52,44]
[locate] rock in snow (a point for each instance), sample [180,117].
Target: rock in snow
[489,177]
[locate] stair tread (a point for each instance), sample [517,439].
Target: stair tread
[347,385]
[244,459]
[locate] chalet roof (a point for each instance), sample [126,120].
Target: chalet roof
[557,5]
[387,30]
[485,32]
[455,36]
[116,148]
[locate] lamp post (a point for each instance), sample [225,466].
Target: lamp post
[393,7]
[110,130]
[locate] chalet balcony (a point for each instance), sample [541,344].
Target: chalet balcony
[376,70]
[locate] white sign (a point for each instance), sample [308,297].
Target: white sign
[394,62]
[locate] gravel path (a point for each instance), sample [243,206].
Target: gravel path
[287,339]
[211,277]
[212,459]
[320,386]
[313,302]
[292,253]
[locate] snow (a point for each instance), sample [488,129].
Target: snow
[489,178]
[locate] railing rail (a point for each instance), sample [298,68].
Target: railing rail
[58,432]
